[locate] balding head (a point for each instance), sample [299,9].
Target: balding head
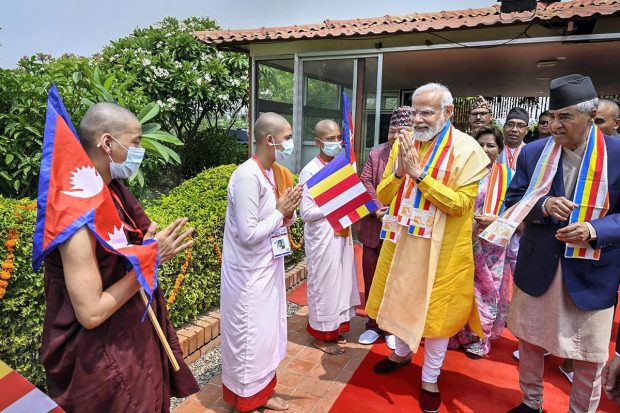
[104,118]
[326,127]
[269,124]
[607,116]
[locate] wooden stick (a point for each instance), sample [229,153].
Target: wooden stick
[160,333]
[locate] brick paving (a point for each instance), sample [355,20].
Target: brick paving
[308,379]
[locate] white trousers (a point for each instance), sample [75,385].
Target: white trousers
[434,354]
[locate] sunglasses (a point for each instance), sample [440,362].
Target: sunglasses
[543,122]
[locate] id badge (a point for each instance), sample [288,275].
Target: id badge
[280,245]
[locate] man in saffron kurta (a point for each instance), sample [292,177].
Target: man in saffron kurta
[253,304]
[429,291]
[332,275]
[98,355]
[370,229]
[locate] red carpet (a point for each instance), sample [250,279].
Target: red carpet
[300,294]
[486,385]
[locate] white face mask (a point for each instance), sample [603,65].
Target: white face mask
[288,148]
[130,165]
[331,148]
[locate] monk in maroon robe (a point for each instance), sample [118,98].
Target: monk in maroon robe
[98,355]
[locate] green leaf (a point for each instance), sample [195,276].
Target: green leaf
[76,77]
[107,96]
[6,176]
[150,128]
[87,102]
[108,82]
[163,137]
[148,112]
[16,185]
[97,77]
[161,149]
[173,155]
[9,158]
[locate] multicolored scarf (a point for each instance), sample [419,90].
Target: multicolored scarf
[410,208]
[591,194]
[499,179]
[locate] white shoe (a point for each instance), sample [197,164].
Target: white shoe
[569,375]
[515,354]
[390,340]
[368,337]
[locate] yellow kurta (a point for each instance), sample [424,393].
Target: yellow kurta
[451,300]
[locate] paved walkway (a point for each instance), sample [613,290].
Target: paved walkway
[308,378]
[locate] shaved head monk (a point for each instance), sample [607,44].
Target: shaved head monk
[332,277]
[98,355]
[261,207]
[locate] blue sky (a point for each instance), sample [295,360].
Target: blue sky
[83,27]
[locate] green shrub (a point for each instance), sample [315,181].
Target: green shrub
[203,201]
[23,307]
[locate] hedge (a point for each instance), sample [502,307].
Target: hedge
[202,199]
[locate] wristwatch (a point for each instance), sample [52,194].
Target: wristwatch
[421,177]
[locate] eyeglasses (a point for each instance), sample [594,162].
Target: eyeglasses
[423,113]
[479,114]
[543,122]
[512,125]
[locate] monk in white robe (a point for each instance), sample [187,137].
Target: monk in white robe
[332,277]
[253,300]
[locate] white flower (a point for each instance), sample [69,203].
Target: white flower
[146,62]
[223,97]
[199,81]
[235,82]
[178,65]
[160,104]
[207,78]
[171,101]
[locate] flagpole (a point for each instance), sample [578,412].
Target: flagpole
[160,333]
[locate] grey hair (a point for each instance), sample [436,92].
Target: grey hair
[446,96]
[587,106]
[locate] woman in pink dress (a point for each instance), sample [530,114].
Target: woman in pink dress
[491,286]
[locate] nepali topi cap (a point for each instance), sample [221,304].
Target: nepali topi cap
[402,116]
[518,113]
[570,90]
[480,103]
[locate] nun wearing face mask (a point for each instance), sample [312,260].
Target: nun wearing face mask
[332,277]
[261,205]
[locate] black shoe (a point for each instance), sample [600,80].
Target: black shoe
[524,408]
[387,366]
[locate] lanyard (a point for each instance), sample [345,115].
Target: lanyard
[131,228]
[275,188]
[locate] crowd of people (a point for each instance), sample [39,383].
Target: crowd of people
[434,273]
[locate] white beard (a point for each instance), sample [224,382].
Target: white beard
[431,132]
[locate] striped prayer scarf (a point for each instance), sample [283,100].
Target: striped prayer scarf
[410,208]
[591,194]
[499,179]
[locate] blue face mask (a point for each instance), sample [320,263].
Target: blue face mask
[288,148]
[331,148]
[130,166]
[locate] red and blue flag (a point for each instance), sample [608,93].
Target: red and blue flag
[72,195]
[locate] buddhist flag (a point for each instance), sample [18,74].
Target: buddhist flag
[337,190]
[18,395]
[72,195]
